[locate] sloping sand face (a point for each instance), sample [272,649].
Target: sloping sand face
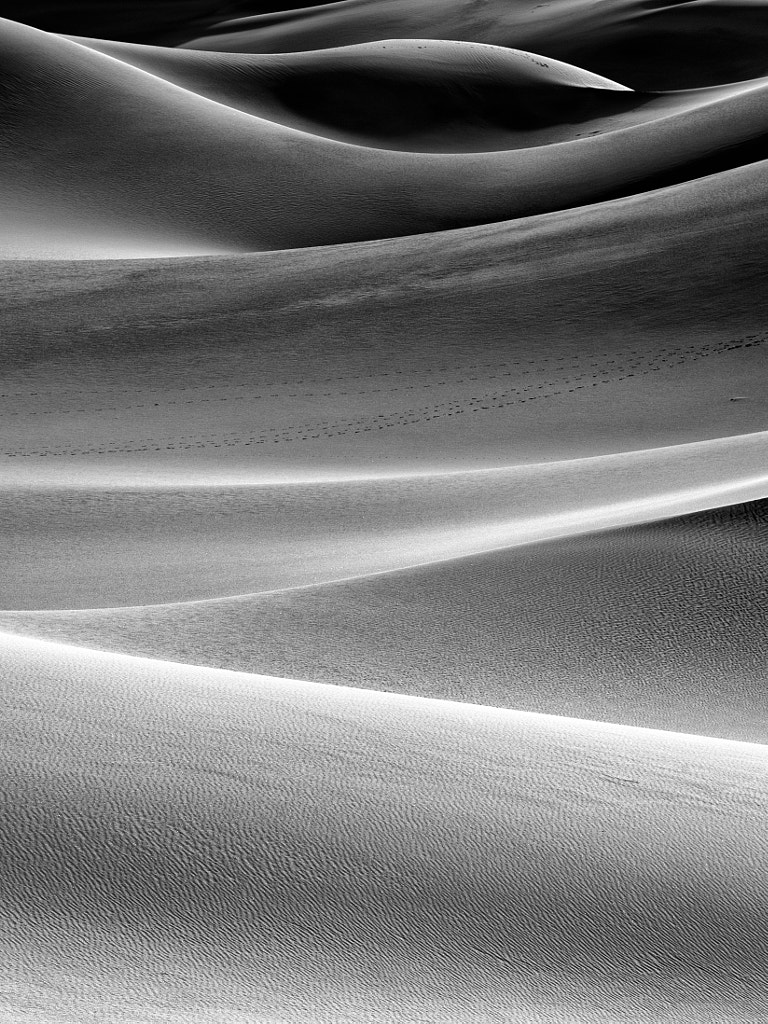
[416,351]
[648,45]
[161,169]
[344,855]
[624,326]
[157,545]
[655,626]
[419,95]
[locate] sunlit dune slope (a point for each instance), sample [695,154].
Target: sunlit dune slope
[644,43]
[416,348]
[191,845]
[629,325]
[157,169]
[97,546]
[660,625]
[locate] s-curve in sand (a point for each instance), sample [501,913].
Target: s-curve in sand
[383,512]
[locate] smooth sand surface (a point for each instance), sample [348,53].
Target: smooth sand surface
[418,95]
[622,326]
[160,170]
[275,850]
[383,481]
[157,21]
[649,45]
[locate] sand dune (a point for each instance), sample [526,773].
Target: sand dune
[158,21]
[67,547]
[624,326]
[159,170]
[419,95]
[416,349]
[285,850]
[646,45]
[590,626]
[402,94]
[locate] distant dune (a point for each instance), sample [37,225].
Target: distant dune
[158,169]
[648,45]
[383,483]
[402,94]
[167,22]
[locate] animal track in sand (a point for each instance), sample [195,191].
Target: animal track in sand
[616,372]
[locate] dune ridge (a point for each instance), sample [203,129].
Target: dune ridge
[89,198]
[383,509]
[547,918]
[175,543]
[586,626]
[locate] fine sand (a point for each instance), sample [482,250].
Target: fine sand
[658,626]
[182,844]
[628,325]
[102,158]
[79,547]
[383,490]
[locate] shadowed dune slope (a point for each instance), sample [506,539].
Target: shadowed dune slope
[417,95]
[277,850]
[101,158]
[647,45]
[660,625]
[165,22]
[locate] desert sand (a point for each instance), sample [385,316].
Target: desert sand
[266,849]
[383,500]
[276,186]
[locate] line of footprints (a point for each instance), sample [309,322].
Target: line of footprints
[610,371]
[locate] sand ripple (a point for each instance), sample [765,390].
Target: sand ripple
[383,483]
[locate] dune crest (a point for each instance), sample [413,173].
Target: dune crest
[568,909]
[199,543]
[694,44]
[586,626]
[400,94]
[383,509]
[168,171]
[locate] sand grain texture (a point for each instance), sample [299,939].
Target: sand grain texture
[256,841]
[383,482]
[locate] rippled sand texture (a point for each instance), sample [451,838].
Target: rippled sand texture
[383,512]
